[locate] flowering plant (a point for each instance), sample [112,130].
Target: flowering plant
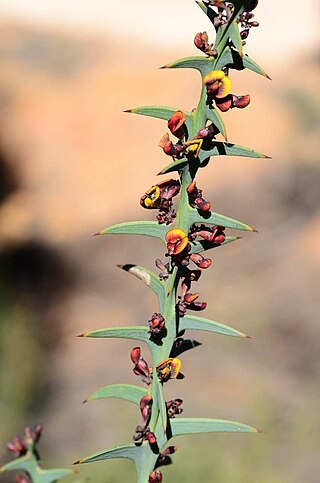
[187,230]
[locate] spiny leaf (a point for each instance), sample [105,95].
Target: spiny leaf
[190,322]
[231,58]
[216,148]
[22,463]
[149,278]
[128,392]
[217,219]
[50,476]
[147,228]
[160,112]
[131,452]
[203,64]
[136,333]
[252,65]
[182,426]
[175,166]
[203,245]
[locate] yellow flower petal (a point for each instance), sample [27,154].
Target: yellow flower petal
[215,75]
[225,87]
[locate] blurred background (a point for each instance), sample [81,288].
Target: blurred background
[72,163]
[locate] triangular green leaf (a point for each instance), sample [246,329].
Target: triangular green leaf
[175,166]
[182,426]
[203,64]
[128,392]
[149,278]
[231,58]
[203,245]
[160,112]
[216,148]
[147,228]
[216,219]
[135,333]
[50,476]
[131,452]
[190,322]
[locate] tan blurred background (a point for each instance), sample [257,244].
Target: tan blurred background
[71,162]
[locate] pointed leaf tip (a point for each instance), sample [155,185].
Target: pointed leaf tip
[96,233]
[128,110]
[249,337]
[77,462]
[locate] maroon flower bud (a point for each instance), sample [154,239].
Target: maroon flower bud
[139,433]
[135,354]
[202,204]
[200,261]
[36,432]
[141,367]
[150,436]
[21,479]
[244,34]
[173,407]
[156,324]
[145,408]
[155,477]
[201,41]
[176,124]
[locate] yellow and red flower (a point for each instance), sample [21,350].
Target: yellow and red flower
[177,240]
[169,369]
[218,84]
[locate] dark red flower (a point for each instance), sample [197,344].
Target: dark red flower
[176,124]
[156,324]
[155,477]
[173,407]
[141,367]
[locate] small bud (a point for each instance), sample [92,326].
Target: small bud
[135,354]
[176,124]
[155,477]
[201,41]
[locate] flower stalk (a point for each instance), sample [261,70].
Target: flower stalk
[187,231]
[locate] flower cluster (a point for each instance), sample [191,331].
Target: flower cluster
[143,433]
[218,86]
[177,126]
[201,41]
[195,198]
[19,445]
[156,325]
[141,367]
[160,197]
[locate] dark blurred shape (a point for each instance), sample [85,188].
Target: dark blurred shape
[37,277]
[8,178]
